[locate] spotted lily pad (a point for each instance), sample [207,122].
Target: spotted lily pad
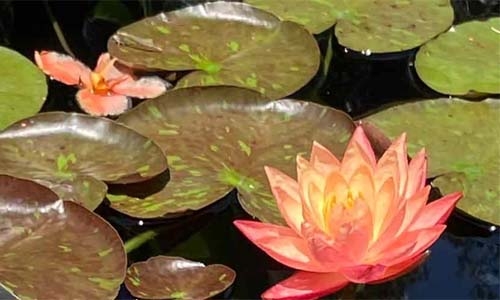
[369,26]
[170,277]
[54,249]
[462,141]
[220,138]
[451,63]
[223,43]
[23,87]
[74,153]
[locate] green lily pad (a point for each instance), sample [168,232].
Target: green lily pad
[170,277]
[450,64]
[73,153]
[461,139]
[220,138]
[223,43]
[23,88]
[368,26]
[54,249]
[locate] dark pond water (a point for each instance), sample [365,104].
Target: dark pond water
[464,263]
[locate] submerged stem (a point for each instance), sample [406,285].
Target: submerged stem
[138,240]
[57,29]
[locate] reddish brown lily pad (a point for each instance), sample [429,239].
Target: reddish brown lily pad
[220,138]
[54,249]
[170,277]
[223,43]
[74,153]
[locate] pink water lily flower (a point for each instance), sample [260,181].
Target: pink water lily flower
[356,220]
[106,89]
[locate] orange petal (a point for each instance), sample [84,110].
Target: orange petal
[99,105]
[306,285]
[62,67]
[286,192]
[394,163]
[437,212]
[311,185]
[358,152]
[322,159]
[414,206]
[385,206]
[361,183]
[102,62]
[389,234]
[364,273]
[282,244]
[325,249]
[417,173]
[397,270]
[145,87]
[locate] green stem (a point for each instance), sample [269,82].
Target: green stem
[57,29]
[328,55]
[138,240]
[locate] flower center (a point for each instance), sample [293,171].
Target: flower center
[332,200]
[99,85]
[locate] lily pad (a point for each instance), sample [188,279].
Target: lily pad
[73,153]
[23,88]
[450,64]
[170,277]
[223,43]
[220,138]
[461,139]
[54,249]
[368,26]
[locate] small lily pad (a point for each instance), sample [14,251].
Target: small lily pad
[368,26]
[450,64]
[220,138]
[23,88]
[223,43]
[170,277]
[461,139]
[73,153]
[54,249]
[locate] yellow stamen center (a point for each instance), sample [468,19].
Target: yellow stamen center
[99,85]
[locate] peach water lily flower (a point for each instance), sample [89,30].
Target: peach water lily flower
[355,220]
[106,89]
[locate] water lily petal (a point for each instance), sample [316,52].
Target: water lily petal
[414,206]
[311,186]
[397,270]
[394,163]
[144,87]
[417,173]
[364,273]
[286,192]
[358,153]
[385,206]
[326,250]
[306,285]
[282,244]
[62,67]
[361,184]
[102,105]
[322,159]
[436,212]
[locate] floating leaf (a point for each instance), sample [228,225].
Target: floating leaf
[370,26]
[256,50]
[73,153]
[23,87]
[170,277]
[54,249]
[450,63]
[219,138]
[461,139]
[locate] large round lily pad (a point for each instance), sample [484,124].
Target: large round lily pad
[371,26]
[73,153]
[220,138]
[23,87]
[170,277]
[463,60]
[54,249]
[223,43]
[462,141]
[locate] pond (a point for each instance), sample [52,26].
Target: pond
[464,262]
